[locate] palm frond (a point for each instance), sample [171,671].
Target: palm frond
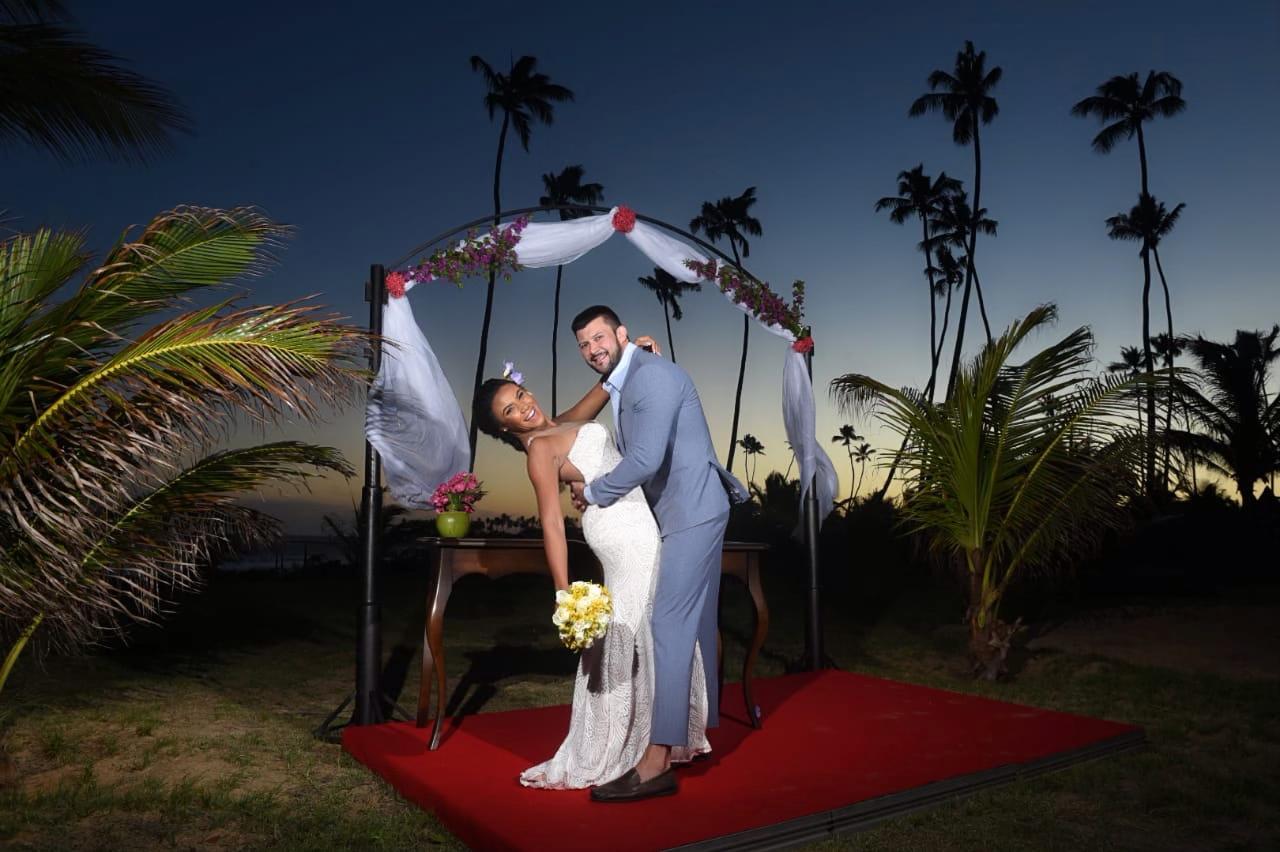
[75,100]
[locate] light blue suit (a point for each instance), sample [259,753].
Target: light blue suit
[667,451]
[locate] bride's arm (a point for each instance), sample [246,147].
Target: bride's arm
[546,485]
[587,408]
[590,406]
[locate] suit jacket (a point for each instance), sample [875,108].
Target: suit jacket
[666,449]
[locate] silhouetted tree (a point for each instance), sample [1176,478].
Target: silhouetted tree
[920,197]
[1239,432]
[751,447]
[72,99]
[1146,222]
[1130,364]
[731,219]
[669,289]
[963,96]
[565,188]
[523,95]
[862,455]
[847,438]
[1124,103]
[952,226]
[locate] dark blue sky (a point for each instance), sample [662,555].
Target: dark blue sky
[363,127]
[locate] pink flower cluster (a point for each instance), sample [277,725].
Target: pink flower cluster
[478,253]
[764,304]
[457,494]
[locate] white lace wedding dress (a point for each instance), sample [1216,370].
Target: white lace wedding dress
[613,691]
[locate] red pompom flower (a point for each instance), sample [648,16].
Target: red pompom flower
[804,344]
[395,285]
[625,219]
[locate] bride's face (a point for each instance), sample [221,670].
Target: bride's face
[517,409]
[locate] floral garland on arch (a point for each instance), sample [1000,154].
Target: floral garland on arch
[764,304]
[413,418]
[478,253]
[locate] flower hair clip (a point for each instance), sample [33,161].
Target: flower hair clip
[510,373]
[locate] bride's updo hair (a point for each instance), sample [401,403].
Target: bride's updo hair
[484,418]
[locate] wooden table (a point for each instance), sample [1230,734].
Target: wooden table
[499,557]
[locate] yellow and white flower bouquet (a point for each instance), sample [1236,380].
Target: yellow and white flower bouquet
[582,615]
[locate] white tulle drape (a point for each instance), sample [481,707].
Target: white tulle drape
[413,418]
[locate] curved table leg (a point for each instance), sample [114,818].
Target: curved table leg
[433,659]
[757,639]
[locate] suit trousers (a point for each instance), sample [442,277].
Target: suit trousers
[685,615]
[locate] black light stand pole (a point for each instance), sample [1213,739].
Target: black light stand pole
[814,653]
[368,709]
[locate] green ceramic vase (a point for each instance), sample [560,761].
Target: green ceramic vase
[453,524]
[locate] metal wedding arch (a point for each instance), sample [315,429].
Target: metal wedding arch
[370,705]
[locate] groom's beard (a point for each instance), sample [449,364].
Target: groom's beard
[611,364]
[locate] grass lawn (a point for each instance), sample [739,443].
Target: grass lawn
[198,736]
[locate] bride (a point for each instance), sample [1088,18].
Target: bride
[613,690]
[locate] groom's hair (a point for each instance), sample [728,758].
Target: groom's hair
[603,312]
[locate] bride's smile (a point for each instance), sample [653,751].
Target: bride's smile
[518,409]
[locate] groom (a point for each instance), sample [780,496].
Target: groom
[666,450]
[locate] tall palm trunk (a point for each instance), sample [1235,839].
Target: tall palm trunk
[742,371]
[555,335]
[488,299]
[1149,364]
[1168,363]
[973,244]
[937,357]
[933,309]
[982,305]
[671,341]
[855,482]
[1142,157]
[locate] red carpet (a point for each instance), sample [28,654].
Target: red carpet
[829,740]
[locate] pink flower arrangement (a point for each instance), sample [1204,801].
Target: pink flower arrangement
[478,253]
[764,304]
[459,493]
[624,220]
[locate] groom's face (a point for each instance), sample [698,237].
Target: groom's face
[600,345]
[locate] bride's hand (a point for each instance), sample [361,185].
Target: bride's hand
[644,341]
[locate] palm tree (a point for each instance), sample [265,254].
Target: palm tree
[996,483]
[1124,103]
[109,500]
[565,188]
[1239,428]
[751,447]
[1130,364]
[731,219]
[862,455]
[523,95]
[950,275]
[669,290]
[847,438]
[1166,347]
[952,224]
[920,197]
[1146,222]
[75,100]
[963,96]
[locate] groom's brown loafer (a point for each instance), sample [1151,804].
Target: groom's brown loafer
[629,787]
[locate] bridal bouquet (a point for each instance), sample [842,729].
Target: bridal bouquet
[582,615]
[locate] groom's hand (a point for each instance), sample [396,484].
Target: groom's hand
[579,499]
